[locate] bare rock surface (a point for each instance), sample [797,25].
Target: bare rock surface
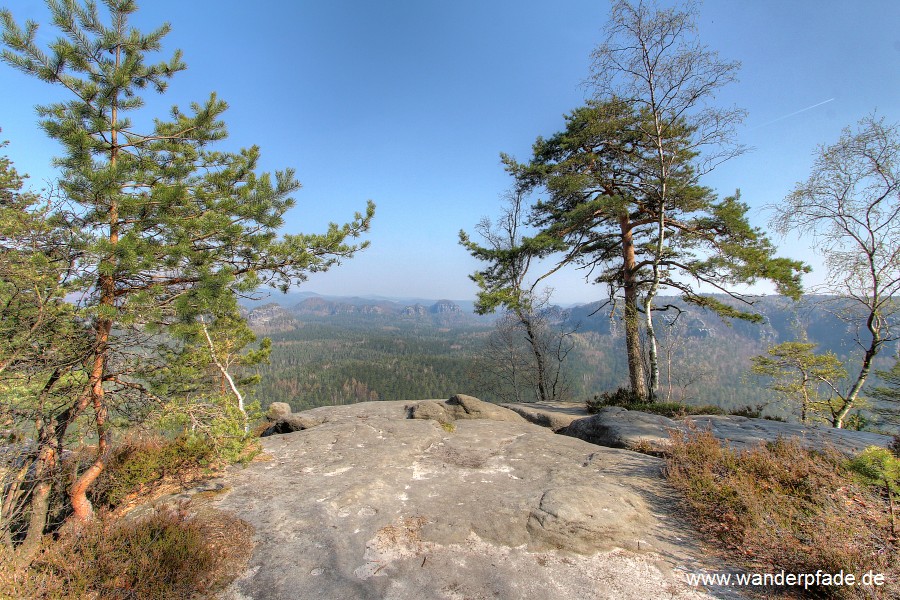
[461,406]
[743,432]
[371,504]
[620,428]
[616,427]
[555,415]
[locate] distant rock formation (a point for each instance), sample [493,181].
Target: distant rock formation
[416,310]
[325,307]
[270,316]
[442,307]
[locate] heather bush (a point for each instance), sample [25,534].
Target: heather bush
[780,506]
[165,555]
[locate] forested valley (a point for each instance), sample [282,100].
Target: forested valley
[341,350]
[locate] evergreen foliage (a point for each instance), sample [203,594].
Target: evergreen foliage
[798,373]
[169,230]
[597,216]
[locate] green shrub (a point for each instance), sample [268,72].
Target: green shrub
[880,467]
[218,420]
[626,398]
[139,463]
[751,412]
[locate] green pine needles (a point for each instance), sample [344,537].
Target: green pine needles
[170,230]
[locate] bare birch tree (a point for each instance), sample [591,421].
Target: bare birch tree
[652,59]
[850,208]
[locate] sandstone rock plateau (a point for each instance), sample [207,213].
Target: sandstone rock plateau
[367,503]
[617,427]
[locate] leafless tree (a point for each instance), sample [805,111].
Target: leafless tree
[850,208]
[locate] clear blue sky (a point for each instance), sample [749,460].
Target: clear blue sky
[410,102]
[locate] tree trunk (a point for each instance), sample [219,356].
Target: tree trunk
[850,398]
[225,374]
[864,369]
[539,357]
[632,316]
[13,493]
[106,282]
[652,353]
[81,506]
[40,501]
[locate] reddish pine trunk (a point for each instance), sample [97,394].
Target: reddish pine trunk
[632,316]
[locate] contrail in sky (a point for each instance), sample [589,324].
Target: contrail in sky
[795,113]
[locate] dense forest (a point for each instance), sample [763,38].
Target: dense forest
[328,351]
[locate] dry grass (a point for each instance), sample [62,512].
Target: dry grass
[779,506]
[165,555]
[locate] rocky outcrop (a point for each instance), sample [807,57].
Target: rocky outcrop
[460,406]
[370,504]
[743,432]
[445,307]
[416,310]
[620,428]
[555,415]
[271,317]
[282,420]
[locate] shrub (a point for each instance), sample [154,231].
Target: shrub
[880,467]
[779,506]
[218,420]
[626,398]
[165,555]
[140,463]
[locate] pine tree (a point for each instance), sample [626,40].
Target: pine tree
[651,58]
[799,374]
[171,225]
[597,215]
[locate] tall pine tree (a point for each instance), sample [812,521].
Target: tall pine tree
[597,214]
[172,225]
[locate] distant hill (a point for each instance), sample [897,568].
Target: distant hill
[356,311]
[814,318]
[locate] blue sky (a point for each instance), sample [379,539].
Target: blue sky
[410,102]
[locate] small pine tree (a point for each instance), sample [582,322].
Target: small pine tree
[797,373]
